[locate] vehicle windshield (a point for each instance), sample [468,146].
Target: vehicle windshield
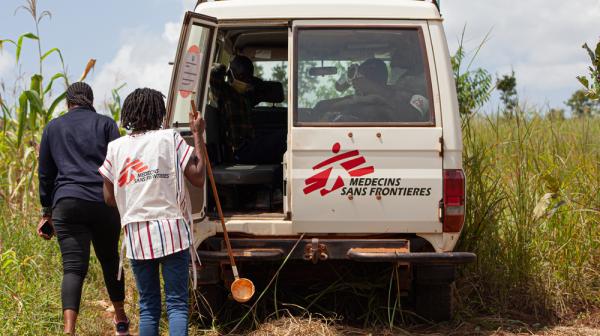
[362,76]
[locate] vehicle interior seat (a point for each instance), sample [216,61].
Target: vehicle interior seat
[266,120]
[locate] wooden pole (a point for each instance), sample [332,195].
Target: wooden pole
[216,196]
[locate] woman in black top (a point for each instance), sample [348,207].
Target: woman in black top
[73,146]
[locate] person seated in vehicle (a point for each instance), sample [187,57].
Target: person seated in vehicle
[232,90]
[237,91]
[408,78]
[370,101]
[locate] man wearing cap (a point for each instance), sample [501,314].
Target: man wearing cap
[73,146]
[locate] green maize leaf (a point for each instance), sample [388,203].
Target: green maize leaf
[36,107]
[5,115]
[35,101]
[55,77]
[20,43]
[54,105]
[4,41]
[36,83]
[53,50]
[22,117]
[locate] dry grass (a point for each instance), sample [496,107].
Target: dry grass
[289,326]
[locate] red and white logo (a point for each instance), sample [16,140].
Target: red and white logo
[130,170]
[351,161]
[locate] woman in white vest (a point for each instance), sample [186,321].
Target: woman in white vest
[144,177]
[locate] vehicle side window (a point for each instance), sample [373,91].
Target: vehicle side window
[362,77]
[276,71]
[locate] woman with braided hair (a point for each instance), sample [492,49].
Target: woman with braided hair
[72,148]
[144,176]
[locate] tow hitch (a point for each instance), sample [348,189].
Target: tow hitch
[314,251]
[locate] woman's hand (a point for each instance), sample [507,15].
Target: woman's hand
[197,124]
[45,228]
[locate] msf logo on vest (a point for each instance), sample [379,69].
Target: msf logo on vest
[130,171]
[351,161]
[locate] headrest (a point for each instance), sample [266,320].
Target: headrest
[269,92]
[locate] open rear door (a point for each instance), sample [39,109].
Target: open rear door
[190,81]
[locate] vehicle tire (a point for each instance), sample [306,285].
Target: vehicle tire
[432,292]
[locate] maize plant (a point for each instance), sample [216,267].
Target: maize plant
[22,125]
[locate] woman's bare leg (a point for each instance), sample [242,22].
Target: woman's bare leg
[120,315]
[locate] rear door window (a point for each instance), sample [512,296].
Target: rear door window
[362,76]
[191,68]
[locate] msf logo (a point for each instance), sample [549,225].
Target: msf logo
[130,170]
[350,161]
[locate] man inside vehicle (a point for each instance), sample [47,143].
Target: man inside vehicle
[237,91]
[408,79]
[370,99]
[232,89]
[246,154]
[373,100]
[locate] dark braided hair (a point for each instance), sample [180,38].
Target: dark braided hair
[80,94]
[143,110]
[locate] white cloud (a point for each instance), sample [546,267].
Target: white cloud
[141,61]
[7,62]
[540,39]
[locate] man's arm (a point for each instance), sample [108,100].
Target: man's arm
[108,191]
[47,172]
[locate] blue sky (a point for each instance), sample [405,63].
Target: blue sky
[134,40]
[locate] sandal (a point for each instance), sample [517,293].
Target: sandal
[121,328]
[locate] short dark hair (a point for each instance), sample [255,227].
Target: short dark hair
[375,70]
[241,67]
[80,94]
[143,110]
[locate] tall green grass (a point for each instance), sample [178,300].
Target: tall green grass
[533,218]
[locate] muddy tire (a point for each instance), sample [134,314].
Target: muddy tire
[432,292]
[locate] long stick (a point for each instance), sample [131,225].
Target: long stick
[216,196]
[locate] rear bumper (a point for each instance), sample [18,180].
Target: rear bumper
[321,249]
[413,257]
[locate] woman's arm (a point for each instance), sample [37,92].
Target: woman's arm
[195,168]
[47,172]
[109,193]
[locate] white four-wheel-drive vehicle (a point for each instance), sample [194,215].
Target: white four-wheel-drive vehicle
[347,134]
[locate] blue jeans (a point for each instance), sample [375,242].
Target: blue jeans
[175,275]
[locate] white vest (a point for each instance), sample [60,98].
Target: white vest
[147,174]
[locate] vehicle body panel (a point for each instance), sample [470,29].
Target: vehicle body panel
[416,155]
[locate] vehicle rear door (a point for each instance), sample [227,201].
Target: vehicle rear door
[371,169]
[189,81]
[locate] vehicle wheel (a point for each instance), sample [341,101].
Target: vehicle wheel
[432,292]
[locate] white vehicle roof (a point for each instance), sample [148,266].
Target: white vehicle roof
[319,9]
